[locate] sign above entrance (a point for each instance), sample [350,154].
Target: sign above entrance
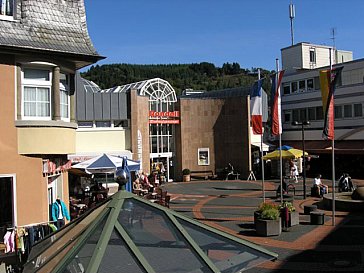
[155,117]
[155,114]
[164,121]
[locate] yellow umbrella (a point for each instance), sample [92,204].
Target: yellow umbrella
[287,152]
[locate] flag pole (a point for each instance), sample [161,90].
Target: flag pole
[280,143]
[261,144]
[333,154]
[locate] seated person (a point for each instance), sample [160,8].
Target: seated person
[137,187]
[345,183]
[145,182]
[322,188]
[99,192]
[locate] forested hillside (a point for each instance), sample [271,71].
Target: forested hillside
[196,76]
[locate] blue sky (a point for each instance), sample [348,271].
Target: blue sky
[249,32]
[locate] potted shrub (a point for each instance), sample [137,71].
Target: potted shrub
[290,217]
[268,223]
[261,208]
[186,175]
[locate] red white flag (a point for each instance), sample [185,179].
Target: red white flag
[256,107]
[276,103]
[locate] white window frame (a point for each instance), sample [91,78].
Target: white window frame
[65,89]
[313,51]
[202,161]
[36,83]
[3,15]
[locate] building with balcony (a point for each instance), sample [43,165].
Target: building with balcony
[42,45]
[301,101]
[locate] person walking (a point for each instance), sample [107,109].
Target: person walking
[59,213]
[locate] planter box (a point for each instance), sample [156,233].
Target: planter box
[268,227]
[294,218]
[187,178]
[256,216]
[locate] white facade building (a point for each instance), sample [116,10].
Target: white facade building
[301,101]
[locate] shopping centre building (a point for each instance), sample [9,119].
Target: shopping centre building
[146,121]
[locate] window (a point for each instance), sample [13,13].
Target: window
[286,88]
[348,112]
[303,116]
[311,113]
[319,113]
[294,87]
[64,96]
[287,116]
[302,85]
[338,111]
[358,110]
[317,83]
[36,93]
[312,55]
[85,124]
[295,115]
[309,84]
[203,156]
[6,8]
[121,123]
[103,123]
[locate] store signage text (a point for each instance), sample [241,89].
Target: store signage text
[155,114]
[163,117]
[164,121]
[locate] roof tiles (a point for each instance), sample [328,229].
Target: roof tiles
[54,25]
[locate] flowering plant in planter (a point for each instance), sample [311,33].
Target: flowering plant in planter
[287,205]
[270,214]
[267,220]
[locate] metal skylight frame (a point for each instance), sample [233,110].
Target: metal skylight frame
[157,89]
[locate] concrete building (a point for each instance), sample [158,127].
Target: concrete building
[42,44]
[301,101]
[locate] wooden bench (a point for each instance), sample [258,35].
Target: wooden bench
[203,174]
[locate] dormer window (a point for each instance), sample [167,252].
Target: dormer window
[6,8]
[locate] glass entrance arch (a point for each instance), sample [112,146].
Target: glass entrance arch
[162,121]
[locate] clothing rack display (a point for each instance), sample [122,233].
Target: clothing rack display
[19,240]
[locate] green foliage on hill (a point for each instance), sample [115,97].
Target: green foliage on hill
[196,76]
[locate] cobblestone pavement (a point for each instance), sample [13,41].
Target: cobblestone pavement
[229,206]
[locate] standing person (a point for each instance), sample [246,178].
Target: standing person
[293,170]
[59,212]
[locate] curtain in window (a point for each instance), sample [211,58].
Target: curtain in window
[64,104]
[43,102]
[36,102]
[9,7]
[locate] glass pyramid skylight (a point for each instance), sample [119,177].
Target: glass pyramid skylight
[129,234]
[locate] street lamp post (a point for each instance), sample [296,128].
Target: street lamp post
[303,124]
